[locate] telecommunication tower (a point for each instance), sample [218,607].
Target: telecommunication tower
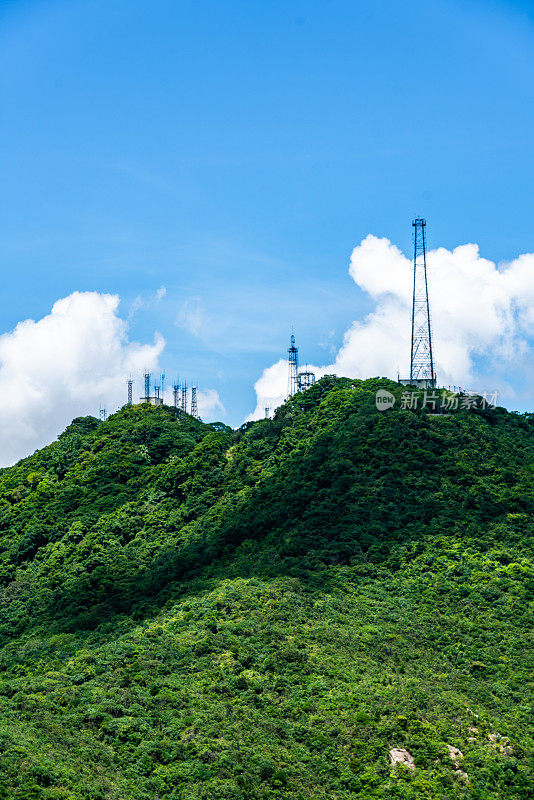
[130,391]
[267,412]
[102,414]
[421,356]
[305,380]
[154,400]
[163,387]
[421,361]
[293,358]
[194,404]
[176,395]
[184,397]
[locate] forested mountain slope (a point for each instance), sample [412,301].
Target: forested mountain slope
[193,612]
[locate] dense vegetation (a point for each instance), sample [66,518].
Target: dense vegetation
[194,612]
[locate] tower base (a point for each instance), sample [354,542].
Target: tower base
[420,383]
[153,401]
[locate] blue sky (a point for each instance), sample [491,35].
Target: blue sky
[237,152]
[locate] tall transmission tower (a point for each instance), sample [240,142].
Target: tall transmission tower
[162,387]
[147,386]
[194,404]
[102,413]
[176,395]
[130,391]
[293,358]
[184,397]
[421,360]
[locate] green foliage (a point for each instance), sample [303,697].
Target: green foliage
[191,612]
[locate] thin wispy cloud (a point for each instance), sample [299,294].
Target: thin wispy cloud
[146,301]
[191,315]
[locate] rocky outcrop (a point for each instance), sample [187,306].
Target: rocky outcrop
[398,755]
[455,755]
[501,743]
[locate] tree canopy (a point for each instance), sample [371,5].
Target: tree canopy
[189,611]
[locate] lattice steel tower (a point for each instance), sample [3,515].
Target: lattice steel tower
[175,394]
[130,391]
[293,358]
[194,404]
[421,361]
[184,397]
[147,386]
[305,380]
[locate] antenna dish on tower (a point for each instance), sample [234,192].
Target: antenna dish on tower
[293,358]
[154,400]
[297,381]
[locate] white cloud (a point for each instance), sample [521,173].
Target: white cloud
[209,404]
[326,342]
[271,388]
[479,309]
[191,315]
[63,366]
[147,301]
[67,365]
[135,305]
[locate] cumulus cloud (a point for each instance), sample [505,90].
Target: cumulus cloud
[68,364]
[64,365]
[480,310]
[209,404]
[271,388]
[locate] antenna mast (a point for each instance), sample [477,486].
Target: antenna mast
[421,361]
[293,358]
[147,386]
[194,404]
[130,391]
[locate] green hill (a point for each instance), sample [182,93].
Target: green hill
[193,612]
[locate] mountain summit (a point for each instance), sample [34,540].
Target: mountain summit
[335,603]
